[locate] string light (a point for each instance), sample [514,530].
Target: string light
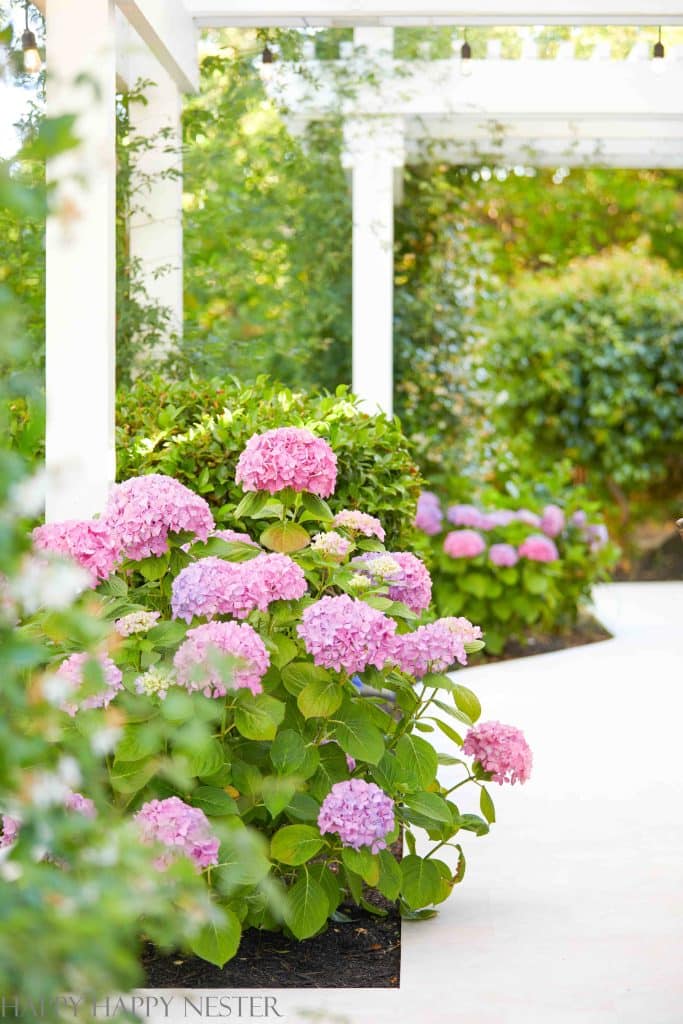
[465,57]
[33,62]
[658,51]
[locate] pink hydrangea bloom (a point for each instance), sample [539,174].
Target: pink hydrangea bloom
[10,830]
[142,511]
[503,555]
[211,586]
[538,548]
[194,659]
[331,544]
[552,520]
[72,670]
[579,518]
[428,516]
[463,628]
[431,648]
[500,517]
[464,544]
[234,537]
[342,633]
[597,536]
[524,515]
[359,812]
[90,542]
[136,622]
[185,830]
[359,522]
[500,749]
[288,457]
[406,575]
[80,803]
[464,515]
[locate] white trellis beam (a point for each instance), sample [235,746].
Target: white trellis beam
[324,13]
[80,252]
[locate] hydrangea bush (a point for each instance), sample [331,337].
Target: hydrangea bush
[276,696]
[513,569]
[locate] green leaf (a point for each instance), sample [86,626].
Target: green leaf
[316,506]
[287,752]
[359,738]
[429,805]
[129,777]
[207,760]
[330,884]
[257,717]
[213,801]
[420,881]
[467,701]
[448,731]
[417,761]
[285,537]
[285,650]
[277,791]
[295,844]
[320,699]
[303,807]
[486,805]
[439,682]
[307,907]
[153,568]
[473,823]
[167,634]
[251,503]
[137,743]
[362,862]
[390,877]
[218,943]
[298,674]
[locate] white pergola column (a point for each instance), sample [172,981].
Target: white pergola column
[156,219]
[373,150]
[81,261]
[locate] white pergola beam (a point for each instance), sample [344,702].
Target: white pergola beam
[324,13]
[167,29]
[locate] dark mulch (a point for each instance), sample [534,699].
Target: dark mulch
[661,563]
[587,631]
[364,952]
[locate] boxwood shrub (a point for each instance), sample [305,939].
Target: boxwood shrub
[194,430]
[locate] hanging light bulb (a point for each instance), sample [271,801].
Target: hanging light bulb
[465,57]
[658,54]
[33,62]
[267,63]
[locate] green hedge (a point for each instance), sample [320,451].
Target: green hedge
[590,366]
[195,430]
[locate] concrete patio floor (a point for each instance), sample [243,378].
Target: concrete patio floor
[572,909]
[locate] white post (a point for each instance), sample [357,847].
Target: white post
[81,261]
[373,149]
[156,219]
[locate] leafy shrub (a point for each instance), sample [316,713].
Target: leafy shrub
[195,430]
[522,592]
[590,366]
[238,696]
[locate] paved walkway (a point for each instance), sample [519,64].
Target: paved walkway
[572,909]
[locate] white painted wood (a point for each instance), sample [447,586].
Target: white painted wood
[166,27]
[156,220]
[80,249]
[373,150]
[303,13]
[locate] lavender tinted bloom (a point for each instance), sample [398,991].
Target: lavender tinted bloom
[359,812]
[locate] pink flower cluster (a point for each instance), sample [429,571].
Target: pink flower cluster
[10,830]
[82,804]
[431,648]
[503,555]
[342,633]
[359,522]
[359,812]
[184,830]
[196,659]
[552,521]
[211,586]
[287,457]
[73,670]
[539,548]
[136,622]
[464,544]
[142,511]
[234,537]
[410,583]
[429,516]
[90,542]
[332,545]
[463,628]
[501,750]
[595,534]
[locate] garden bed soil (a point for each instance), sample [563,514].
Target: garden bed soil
[363,952]
[664,562]
[586,631]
